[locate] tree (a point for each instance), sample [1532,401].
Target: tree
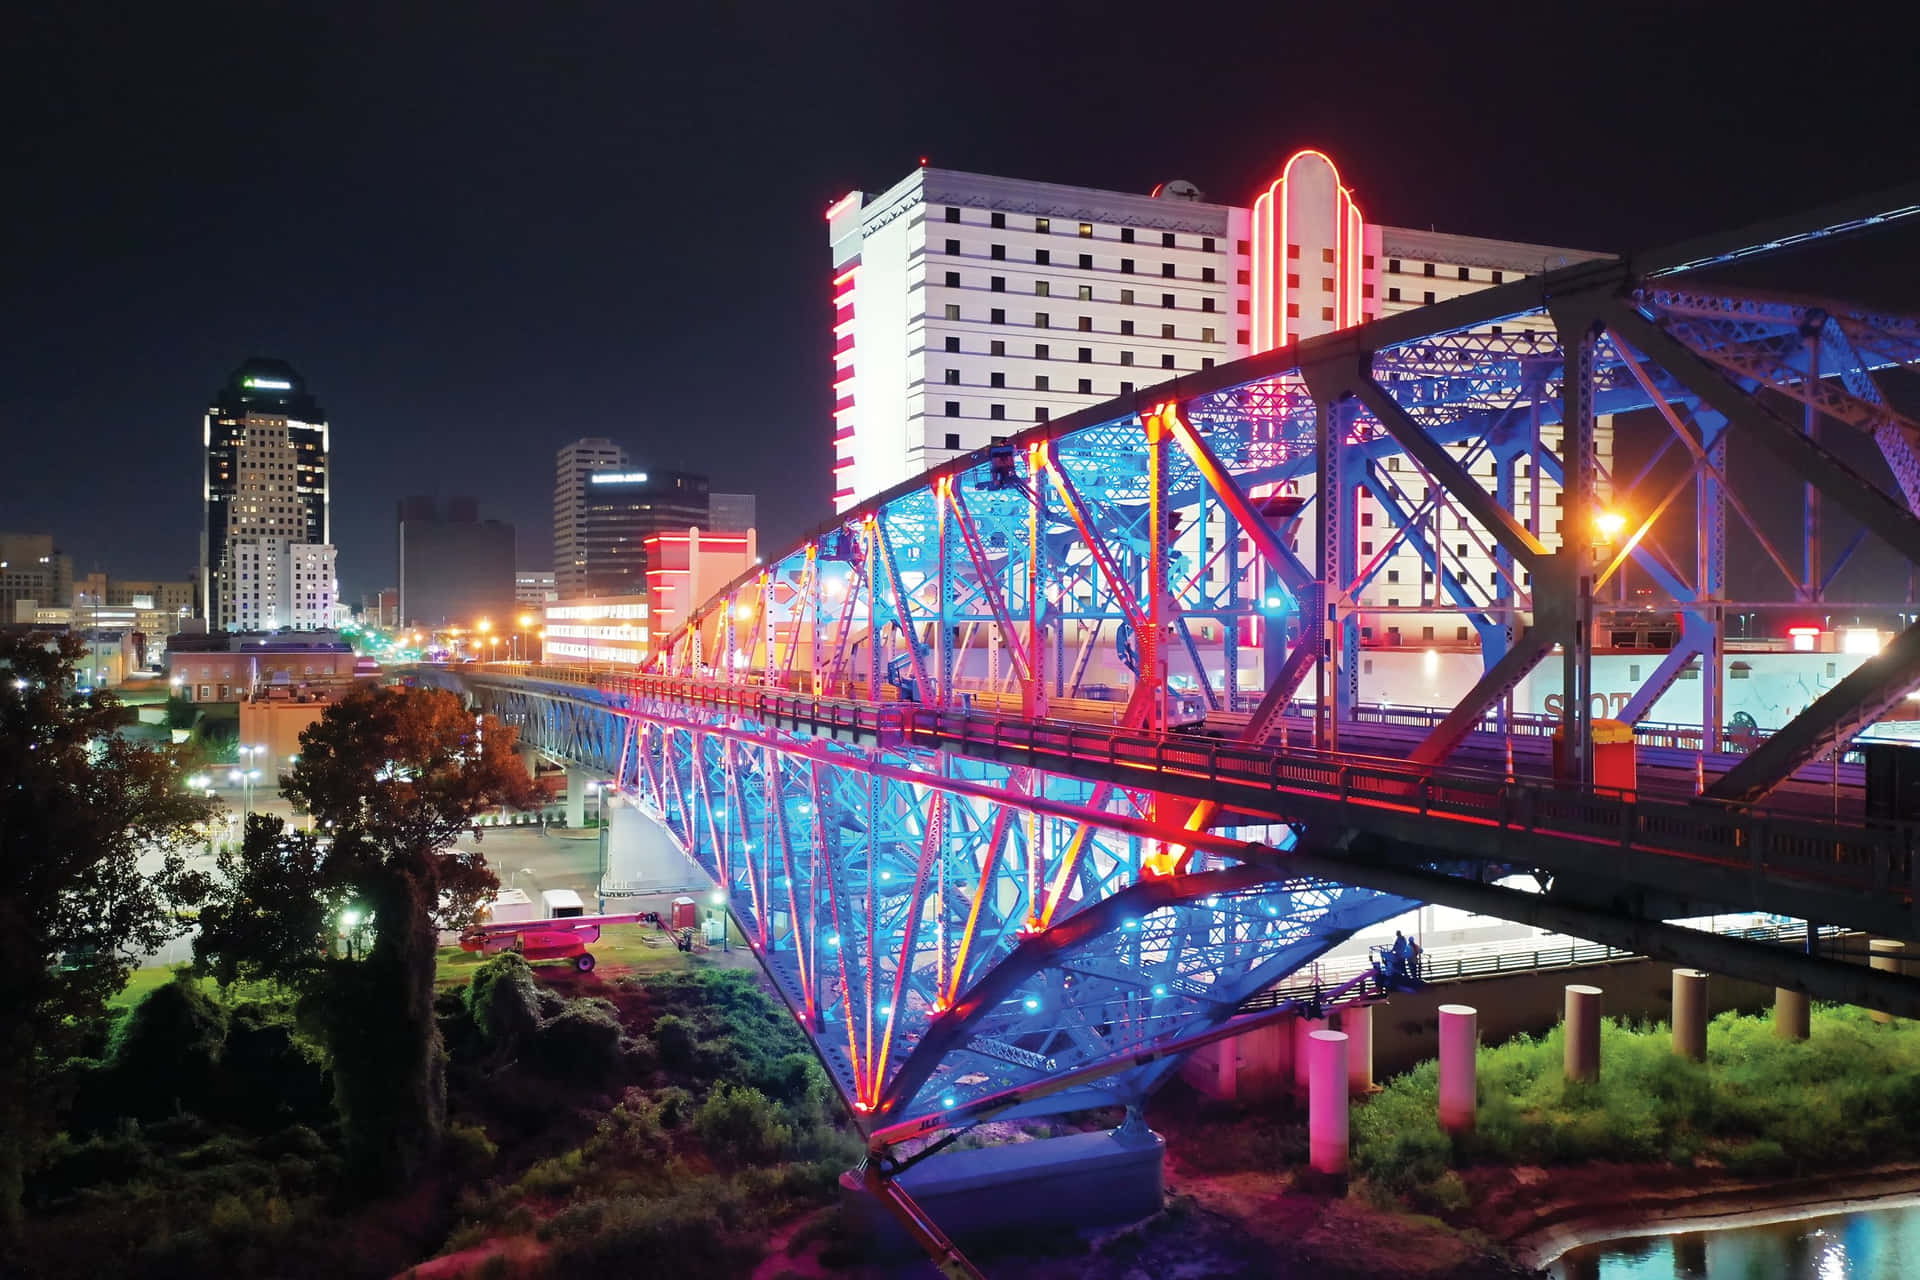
[80,807]
[348,914]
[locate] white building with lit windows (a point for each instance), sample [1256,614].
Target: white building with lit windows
[967,307]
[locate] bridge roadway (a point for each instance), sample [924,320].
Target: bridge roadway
[1657,854]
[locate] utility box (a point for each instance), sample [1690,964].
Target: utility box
[1893,781]
[686,913]
[1615,758]
[562,903]
[507,906]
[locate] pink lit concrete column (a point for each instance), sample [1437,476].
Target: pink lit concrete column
[1583,1033]
[1303,1028]
[1228,1079]
[1357,1021]
[1327,1101]
[1690,1014]
[1888,957]
[1792,1016]
[1459,1087]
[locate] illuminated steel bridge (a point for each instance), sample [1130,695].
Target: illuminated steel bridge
[1051,758]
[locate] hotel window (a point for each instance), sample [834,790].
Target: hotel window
[1126,327]
[953,246]
[1293,279]
[1086,262]
[1041,289]
[1206,304]
[953,377]
[998,252]
[1326,284]
[1126,357]
[1499,276]
[1086,324]
[1393,266]
[953,214]
[1086,355]
[1166,302]
[1041,382]
[1166,271]
[1206,362]
[1206,274]
[997,412]
[1427,269]
[1206,244]
[1126,235]
[998,347]
[1126,266]
[1326,313]
[953,408]
[1366,291]
[999,221]
[1243,247]
[1126,297]
[1293,311]
[1043,225]
[1293,251]
[953,439]
[997,284]
[1042,258]
[1041,351]
[1208,335]
[1465,274]
[1040,319]
[999,315]
[996,379]
[953,311]
[1041,413]
[1243,336]
[1086,231]
[1166,362]
[1086,386]
[1428,297]
[1166,331]
[1086,293]
[1393,294]
[1126,388]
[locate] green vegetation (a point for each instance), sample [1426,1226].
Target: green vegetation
[81,804]
[1758,1105]
[347,919]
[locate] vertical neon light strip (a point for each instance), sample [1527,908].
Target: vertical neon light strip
[1271,293]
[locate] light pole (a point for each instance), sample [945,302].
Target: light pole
[246,775]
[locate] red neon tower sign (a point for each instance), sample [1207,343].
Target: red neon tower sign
[1307,249]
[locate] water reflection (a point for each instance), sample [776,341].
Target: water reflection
[1873,1244]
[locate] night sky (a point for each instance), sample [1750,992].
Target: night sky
[482,230]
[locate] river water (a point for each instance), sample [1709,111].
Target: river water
[1867,1244]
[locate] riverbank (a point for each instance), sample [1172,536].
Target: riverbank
[1595,1203]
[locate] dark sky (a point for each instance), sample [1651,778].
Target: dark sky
[481,230]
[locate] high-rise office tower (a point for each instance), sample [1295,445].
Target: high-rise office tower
[33,569]
[574,463]
[266,553]
[621,509]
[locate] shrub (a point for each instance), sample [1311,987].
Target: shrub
[674,1040]
[739,1125]
[164,1052]
[699,1230]
[468,1149]
[503,1000]
[581,1043]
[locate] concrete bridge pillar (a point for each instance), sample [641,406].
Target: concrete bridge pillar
[1889,957]
[1459,1082]
[1583,1033]
[1303,1029]
[1690,1014]
[579,783]
[1327,1102]
[1792,1018]
[1357,1021]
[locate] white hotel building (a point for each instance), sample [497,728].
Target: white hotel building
[968,307]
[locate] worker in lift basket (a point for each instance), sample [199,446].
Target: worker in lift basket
[1399,954]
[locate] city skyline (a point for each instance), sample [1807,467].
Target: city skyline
[407,242]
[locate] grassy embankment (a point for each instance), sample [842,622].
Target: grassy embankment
[1758,1106]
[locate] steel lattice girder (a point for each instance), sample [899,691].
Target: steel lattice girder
[938,947]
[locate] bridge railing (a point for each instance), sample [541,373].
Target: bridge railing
[1877,858]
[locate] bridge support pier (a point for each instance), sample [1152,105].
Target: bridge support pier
[1583,1032]
[1357,1021]
[1690,1014]
[1327,1102]
[1791,1014]
[1459,1082]
[1889,957]
[1303,1029]
[578,781]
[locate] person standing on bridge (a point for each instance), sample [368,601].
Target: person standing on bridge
[1398,967]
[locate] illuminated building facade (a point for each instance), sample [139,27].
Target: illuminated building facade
[621,509]
[610,631]
[967,307]
[266,554]
[686,566]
